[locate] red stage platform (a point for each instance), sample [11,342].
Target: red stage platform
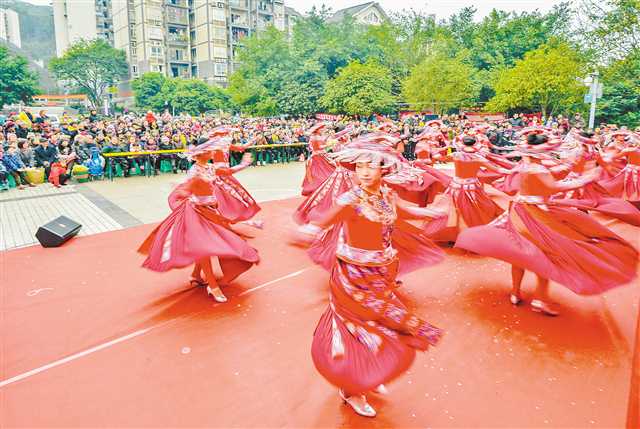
[91,339]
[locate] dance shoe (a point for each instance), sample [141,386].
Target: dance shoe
[359,405]
[217,294]
[542,307]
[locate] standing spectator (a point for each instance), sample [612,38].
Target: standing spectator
[578,121]
[42,118]
[150,118]
[45,155]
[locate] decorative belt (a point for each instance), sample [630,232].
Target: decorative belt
[467,184]
[531,199]
[364,256]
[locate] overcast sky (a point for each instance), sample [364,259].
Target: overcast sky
[442,8]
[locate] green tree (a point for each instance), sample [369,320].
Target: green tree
[620,103]
[17,82]
[546,80]
[91,66]
[611,27]
[440,83]
[193,96]
[359,89]
[301,93]
[147,90]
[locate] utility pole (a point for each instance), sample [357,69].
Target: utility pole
[594,97]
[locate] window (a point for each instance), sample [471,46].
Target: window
[220,52]
[194,71]
[134,69]
[220,69]
[219,14]
[156,51]
[219,33]
[134,51]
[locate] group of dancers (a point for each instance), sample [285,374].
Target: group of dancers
[371,216]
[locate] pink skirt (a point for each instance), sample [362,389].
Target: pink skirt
[191,233]
[318,169]
[234,202]
[367,336]
[433,183]
[559,243]
[324,197]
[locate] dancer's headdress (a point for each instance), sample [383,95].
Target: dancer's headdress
[374,148]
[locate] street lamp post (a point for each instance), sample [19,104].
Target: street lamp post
[593,91]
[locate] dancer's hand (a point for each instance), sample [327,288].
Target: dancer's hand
[247,158]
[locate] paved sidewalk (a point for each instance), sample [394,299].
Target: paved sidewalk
[110,205]
[23,211]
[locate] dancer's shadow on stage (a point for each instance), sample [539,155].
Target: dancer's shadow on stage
[579,332]
[193,303]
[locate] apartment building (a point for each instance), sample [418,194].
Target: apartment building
[370,13]
[10,27]
[87,19]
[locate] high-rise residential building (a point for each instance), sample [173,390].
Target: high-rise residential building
[86,19]
[10,27]
[190,38]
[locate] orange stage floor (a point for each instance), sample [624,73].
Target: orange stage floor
[91,339]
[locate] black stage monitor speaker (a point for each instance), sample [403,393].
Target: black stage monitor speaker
[57,232]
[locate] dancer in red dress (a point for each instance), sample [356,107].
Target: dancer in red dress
[555,242]
[465,201]
[234,201]
[318,167]
[626,184]
[367,336]
[196,230]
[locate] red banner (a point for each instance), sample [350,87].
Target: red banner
[481,116]
[327,117]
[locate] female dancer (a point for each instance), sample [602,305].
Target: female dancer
[318,167]
[367,336]
[626,184]
[557,243]
[196,230]
[234,201]
[466,202]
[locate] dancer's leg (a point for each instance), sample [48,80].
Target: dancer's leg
[517,274]
[213,288]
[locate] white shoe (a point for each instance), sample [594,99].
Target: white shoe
[381,390]
[515,299]
[217,294]
[359,405]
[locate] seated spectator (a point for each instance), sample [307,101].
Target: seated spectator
[95,163]
[4,183]
[58,175]
[45,155]
[135,146]
[166,144]
[27,154]
[67,154]
[15,167]
[115,146]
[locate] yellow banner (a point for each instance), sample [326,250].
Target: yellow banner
[153,152]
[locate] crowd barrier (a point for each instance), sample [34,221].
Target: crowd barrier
[263,154]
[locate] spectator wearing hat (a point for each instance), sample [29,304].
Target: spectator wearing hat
[45,155]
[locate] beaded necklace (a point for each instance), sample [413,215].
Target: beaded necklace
[376,208]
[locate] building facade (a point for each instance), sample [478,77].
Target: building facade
[74,20]
[10,27]
[190,38]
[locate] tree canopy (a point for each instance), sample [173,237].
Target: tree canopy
[91,66]
[17,82]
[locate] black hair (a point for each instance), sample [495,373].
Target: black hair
[468,141]
[536,139]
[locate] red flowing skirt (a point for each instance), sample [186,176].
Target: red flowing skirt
[466,205]
[625,184]
[234,201]
[562,244]
[318,169]
[323,198]
[191,233]
[433,183]
[367,337]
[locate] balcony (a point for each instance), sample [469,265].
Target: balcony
[179,3]
[239,4]
[177,16]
